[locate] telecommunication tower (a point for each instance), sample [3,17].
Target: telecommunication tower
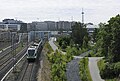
[82,16]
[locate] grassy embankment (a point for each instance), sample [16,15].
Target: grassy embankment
[58,63]
[84,70]
[44,73]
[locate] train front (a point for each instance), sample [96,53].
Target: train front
[31,53]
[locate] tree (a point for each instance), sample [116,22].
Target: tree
[104,39]
[85,42]
[109,39]
[64,41]
[108,43]
[78,33]
[115,46]
[94,36]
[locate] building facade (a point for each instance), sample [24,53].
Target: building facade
[12,27]
[50,26]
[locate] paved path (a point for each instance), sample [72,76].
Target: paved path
[94,71]
[54,47]
[72,72]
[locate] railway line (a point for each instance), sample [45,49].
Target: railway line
[27,74]
[6,57]
[8,62]
[28,71]
[7,51]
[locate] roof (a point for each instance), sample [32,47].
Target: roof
[32,48]
[92,26]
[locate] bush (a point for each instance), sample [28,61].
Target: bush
[58,66]
[63,41]
[91,54]
[84,70]
[110,71]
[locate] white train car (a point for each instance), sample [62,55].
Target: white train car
[33,51]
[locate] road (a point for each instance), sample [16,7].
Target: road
[94,71]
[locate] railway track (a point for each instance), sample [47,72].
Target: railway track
[27,73]
[30,70]
[7,51]
[6,57]
[4,68]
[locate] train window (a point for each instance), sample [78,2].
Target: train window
[31,52]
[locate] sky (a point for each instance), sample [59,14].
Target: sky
[95,11]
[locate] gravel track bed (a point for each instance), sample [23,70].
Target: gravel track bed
[13,76]
[27,75]
[4,45]
[7,67]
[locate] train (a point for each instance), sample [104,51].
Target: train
[33,51]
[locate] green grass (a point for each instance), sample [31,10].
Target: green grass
[101,64]
[19,48]
[115,79]
[57,44]
[57,63]
[47,46]
[84,70]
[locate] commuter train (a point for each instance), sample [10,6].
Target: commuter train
[34,50]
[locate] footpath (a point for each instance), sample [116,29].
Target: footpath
[94,71]
[72,70]
[54,47]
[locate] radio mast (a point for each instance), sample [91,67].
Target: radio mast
[82,16]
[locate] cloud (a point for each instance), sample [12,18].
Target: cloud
[95,10]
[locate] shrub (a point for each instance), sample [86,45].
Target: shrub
[110,71]
[84,70]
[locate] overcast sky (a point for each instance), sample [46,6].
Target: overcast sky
[96,11]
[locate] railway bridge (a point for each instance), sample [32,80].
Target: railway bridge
[33,35]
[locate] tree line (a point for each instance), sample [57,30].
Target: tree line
[107,39]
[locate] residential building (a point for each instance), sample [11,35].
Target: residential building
[51,25]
